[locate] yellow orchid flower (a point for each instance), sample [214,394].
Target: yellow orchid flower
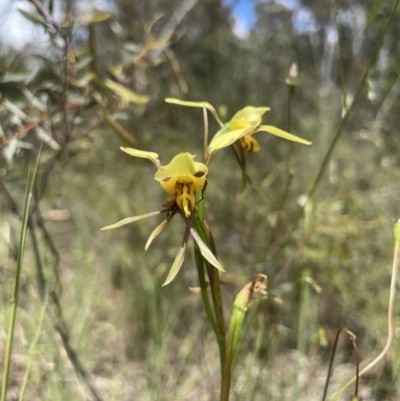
[181,179]
[242,126]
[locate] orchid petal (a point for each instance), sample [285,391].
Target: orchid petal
[251,115]
[205,251]
[182,168]
[130,220]
[225,140]
[176,266]
[189,103]
[224,130]
[157,231]
[143,154]
[283,134]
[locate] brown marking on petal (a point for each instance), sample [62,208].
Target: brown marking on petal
[203,190]
[199,174]
[166,179]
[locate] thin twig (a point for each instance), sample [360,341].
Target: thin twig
[46,16]
[389,322]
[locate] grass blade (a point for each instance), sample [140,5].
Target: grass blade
[32,349]
[24,228]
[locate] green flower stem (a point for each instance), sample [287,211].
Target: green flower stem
[214,283]
[227,368]
[213,274]
[203,287]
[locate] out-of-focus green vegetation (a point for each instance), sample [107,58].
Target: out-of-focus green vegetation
[111,331]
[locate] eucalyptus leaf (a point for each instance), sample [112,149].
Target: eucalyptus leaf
[46,138]
[100,17]
[34,18]
[125,93]
[10,149]
[83,62]
[34,101]
[15,78]
[14,109]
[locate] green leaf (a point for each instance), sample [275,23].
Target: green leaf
[130,220]
[176,266]
[46,138]
[283,134]
[15,78]
[14,109]
[83,62]
[157,231]
[125,93]
[33,100]
[99,17]
[9,150]
[34,18]
[205,251]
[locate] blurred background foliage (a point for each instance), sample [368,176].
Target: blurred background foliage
[93,78]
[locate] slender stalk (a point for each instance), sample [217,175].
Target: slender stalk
[331,362]
[205,141]
[218,323]
[203,287]
[227,366]
[215,288]
[240,305]
[215,283]
[94,65]
[281,205]
[343,122]
[389,316]
[14,301]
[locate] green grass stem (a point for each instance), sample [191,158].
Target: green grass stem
[33,348]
